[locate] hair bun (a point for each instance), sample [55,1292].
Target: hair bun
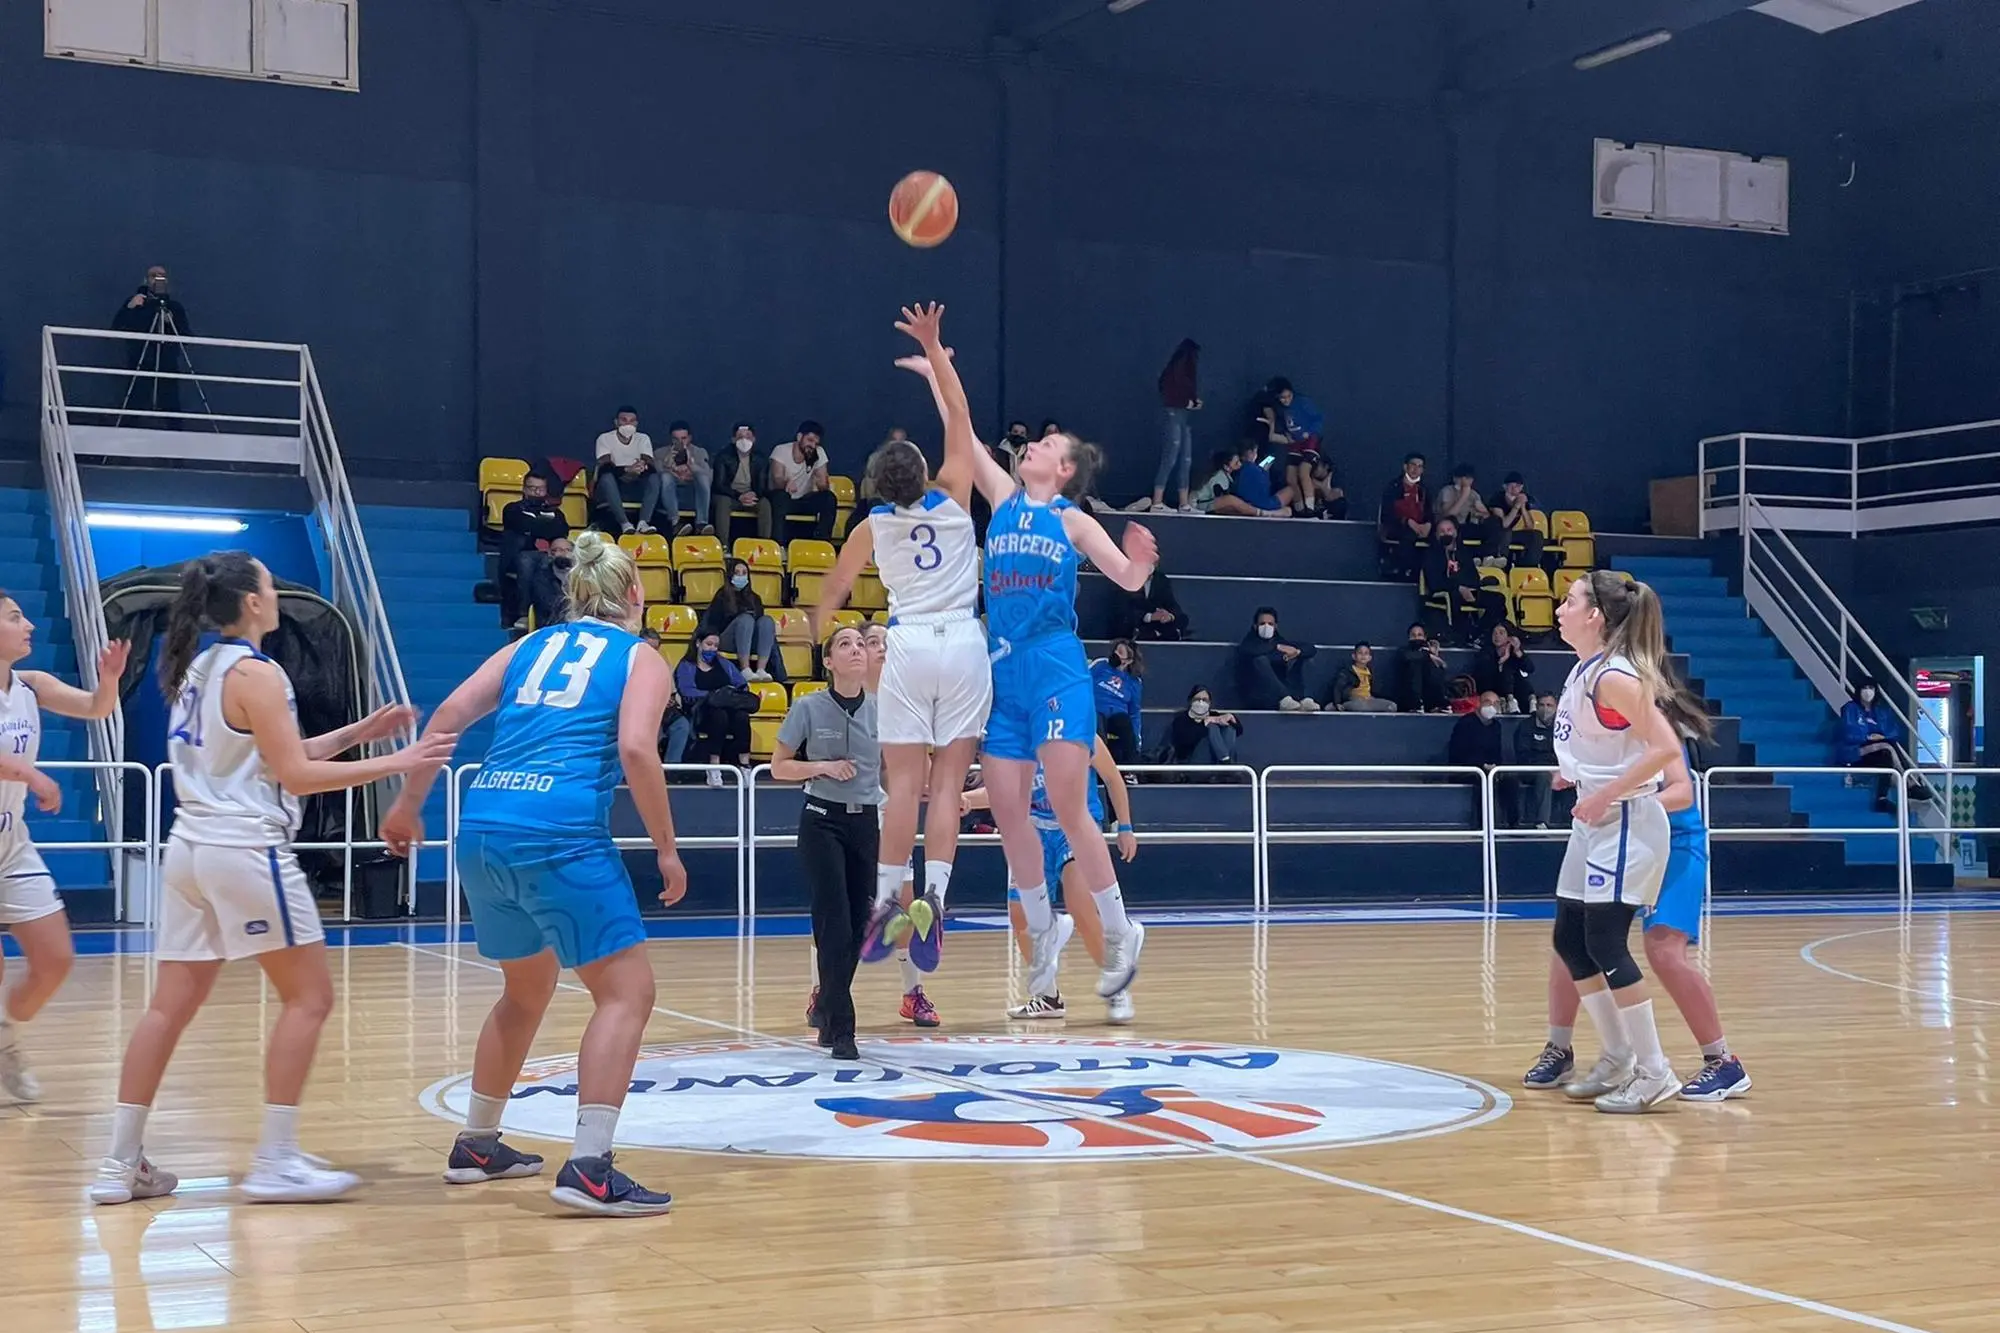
[591,546]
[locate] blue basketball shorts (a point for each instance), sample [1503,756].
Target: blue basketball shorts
[1041,693]
[1679,903]
[529,892]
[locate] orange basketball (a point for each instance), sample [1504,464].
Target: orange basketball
[923,209]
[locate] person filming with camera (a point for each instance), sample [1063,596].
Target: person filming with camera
[152,309]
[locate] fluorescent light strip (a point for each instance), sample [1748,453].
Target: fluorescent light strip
[1630,47]
[129,521]
[1124,6]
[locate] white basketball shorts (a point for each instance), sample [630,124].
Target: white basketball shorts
[27,892]
[937,684]
[218,904]
[1621,860]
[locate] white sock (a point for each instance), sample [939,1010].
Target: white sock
[482,1116]
[1111,909]
[911,977]
[128,1131]
[1562,1039]
[813,953]
[281,1131]
[10,1031]
[888,879]
[1716,1050]
[595,1127]
[1035,907]
[937,878]
[1644,1036]
[1603,1011]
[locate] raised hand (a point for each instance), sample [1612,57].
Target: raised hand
[388,720]
[925,323]
[111,662]
[1140,546]
[432,750]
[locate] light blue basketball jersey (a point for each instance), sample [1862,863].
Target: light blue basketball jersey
[553,764]
[1688,820]
[1043,815]
[1030,571]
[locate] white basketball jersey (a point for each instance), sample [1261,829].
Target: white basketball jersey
[1594,747]
[928,556]
[227,796]
[20,739]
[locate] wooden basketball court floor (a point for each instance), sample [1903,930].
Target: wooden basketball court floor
[1858,1186]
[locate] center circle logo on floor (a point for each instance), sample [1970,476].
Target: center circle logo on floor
[998,1098]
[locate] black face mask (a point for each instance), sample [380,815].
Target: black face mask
[561,562]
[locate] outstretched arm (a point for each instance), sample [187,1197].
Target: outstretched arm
[854,557]
[472,700]
[254,700]
[58,696]
[962,449]
[1130,567]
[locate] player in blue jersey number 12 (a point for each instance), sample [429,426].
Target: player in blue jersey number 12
[1044,709]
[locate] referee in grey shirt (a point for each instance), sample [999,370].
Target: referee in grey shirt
[827,741]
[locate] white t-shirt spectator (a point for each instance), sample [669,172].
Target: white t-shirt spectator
[623,453]
[797,479]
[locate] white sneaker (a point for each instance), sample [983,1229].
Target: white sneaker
[1289,705]
[1121,961]
[1641,1093]
[1045,951]
[1308,705]
[715,777]
[1607,1075]
[1038,1007]
[1141,505]
[1044,982]
[1188,508]
[294,1178]
[757,675]
[17,1083]
[646,530]
[121,1182]
[1118,1009]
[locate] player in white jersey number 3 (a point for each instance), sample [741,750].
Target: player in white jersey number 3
[937,685]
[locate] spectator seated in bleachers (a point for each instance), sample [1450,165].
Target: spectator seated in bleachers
[1514,508]
[685,477]
[1420,673]
[1354,687]
[542,590]
[1503,668]
[1405,519]
[1153,613]
[626,475]
[1331,492]
[1478,526]
[737,619]
[719,705]
[674,725]
[1219,482]
[1535,743]
[1271,669]
[1872,737]
[799,485]
[1250,494]
[529,526]
[1477,741]
[741,479]
[1451,574]
[1296,424]
[1201,735]
[1117,681]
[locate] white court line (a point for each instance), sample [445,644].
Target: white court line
[1293,1169]
[1810,953]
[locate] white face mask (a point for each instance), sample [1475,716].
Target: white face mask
[1267,631]
[1199,708]
[1487,712]
[1867,696]
[625,432]
[743,444]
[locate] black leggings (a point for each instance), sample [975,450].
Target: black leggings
[838,851]
[1594,939]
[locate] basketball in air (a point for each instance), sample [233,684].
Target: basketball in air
[923,209]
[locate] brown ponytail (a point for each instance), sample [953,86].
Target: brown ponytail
[212,591]
[1635,630]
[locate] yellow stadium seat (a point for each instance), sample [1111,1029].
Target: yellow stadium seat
[1493,580]
[810,562]
[1534,606]
[1569,531]
[795,645]
[882,618]
[771,697]
[576,501]
[649,553]
[805,687]
[767,568]
[869,594]
[1436,601]
[1539,522]
[698,562]
[500,485]
[674,624]
[771,705]
[840,619]
[1559,585]
[843,491]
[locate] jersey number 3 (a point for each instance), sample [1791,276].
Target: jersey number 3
[574,673]
[928,556]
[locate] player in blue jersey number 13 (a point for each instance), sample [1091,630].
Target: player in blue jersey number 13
[1044,710]
[577,705]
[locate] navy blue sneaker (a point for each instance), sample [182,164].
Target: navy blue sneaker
[482,1158]
[1552,1068]
[593,1185]
[926,932]
[1718,1081]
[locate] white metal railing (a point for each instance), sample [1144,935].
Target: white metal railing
[1875,483]
[1488,888]
[81,598]
[1900,830]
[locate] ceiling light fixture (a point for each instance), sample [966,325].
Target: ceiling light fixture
[1124,6]
[1631,46]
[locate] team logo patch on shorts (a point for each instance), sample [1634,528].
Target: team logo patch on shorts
[999,1099]
[256,928]
[1597,881]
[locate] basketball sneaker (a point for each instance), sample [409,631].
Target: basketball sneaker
[814,1018]
[292,1177]
[1641,1093]
[918,1009]
[1607,1075]
[17,1083]
[1038,1007]
[475,1158]
[927,932]
[1119,1009]
[594,1185]
[1121,961]
[121,1182]
[1552,1068]
[888,926]
[1719,1080]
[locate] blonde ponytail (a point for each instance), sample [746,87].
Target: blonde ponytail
[602,581]
[1635,629]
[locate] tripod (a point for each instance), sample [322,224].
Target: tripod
[166,393]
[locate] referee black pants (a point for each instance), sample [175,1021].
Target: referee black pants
[838,850]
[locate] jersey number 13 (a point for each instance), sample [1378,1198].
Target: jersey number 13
[573,673]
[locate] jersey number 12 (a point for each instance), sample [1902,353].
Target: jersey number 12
[574,674]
